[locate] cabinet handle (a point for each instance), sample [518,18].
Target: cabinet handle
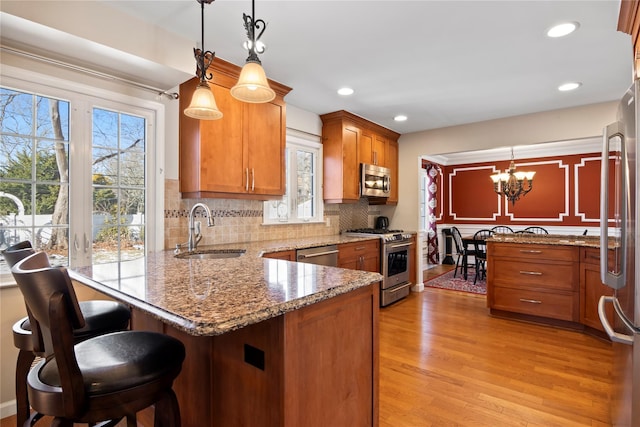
[360,248]
[529,251]
[246,174]
[530,301]
[375,157]
[253,179]
[531,273]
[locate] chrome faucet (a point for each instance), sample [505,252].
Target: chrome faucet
[194,226]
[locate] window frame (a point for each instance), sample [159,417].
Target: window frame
[312,143]
[63,84]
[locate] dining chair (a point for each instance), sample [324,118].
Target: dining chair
[504,229]
[536,230]
[462,252]
[480,245]
[101,317]
[102,379]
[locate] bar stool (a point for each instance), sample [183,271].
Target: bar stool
[100,317]
[101,379]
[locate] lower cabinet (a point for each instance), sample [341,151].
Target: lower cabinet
[314,367]
[547,281]
[286,255]
[591,289]
[364,255]
[533,279]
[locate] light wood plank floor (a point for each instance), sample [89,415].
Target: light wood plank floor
[445,362]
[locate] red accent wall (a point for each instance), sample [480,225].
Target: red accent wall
[566,192]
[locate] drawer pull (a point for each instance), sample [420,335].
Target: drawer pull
[360,248]
[530,301]
[531,273]
[530,251]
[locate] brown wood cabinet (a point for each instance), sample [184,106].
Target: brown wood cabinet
[314,367]
[364,255]
[591,289]
[240,155]
[349,140]
[392,161]
[533,279]
[629,22]
[286,255]
[373,149]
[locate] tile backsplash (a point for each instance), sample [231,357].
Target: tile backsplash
[241,220]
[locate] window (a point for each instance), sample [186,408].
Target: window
[302,202]
[75,171]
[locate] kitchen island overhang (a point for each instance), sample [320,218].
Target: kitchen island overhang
[258,331]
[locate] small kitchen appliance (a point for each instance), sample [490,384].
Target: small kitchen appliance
[382,223]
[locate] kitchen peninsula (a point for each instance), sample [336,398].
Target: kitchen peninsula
[269,342]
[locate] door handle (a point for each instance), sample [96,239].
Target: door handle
[615,336]
[246,181]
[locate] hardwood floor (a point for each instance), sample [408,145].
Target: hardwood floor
[445,362]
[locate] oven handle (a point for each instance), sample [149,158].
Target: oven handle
[401,245]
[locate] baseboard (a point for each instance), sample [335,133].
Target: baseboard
[7,409]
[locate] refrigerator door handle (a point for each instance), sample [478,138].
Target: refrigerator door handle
[615,280]
[615,336]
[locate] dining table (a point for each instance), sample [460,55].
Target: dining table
[468,243]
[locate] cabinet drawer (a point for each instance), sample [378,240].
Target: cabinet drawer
[526,275]
[349,250]
[544,304]
[533,252]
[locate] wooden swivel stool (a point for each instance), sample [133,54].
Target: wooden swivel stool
[101,379]
[100,317]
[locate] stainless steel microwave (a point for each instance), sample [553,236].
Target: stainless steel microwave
[375,181]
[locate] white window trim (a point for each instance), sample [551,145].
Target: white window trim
[83,96]
[313,142]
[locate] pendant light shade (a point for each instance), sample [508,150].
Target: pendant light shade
[203,104]
[252,85]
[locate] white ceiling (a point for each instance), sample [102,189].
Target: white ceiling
[441,63]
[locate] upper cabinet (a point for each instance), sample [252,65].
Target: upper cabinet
[240,155]
[629,22]
[348,141]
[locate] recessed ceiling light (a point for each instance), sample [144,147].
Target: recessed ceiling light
[569,86]
[400,118]
[345,91]
[563,29]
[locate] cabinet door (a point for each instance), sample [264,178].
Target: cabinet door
[366,148]
[379,150]
[351,167]
[591,289]
[286,255]
[392,163]
[371,262]
[221,147]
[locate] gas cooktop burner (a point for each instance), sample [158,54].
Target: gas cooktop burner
[385,234]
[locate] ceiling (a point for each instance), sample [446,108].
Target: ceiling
[441,63]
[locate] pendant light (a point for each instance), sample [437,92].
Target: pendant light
[252,84]
[203,104]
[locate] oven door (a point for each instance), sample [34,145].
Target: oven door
[395,264]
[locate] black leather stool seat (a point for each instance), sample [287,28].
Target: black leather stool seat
[112,363]
[100,317]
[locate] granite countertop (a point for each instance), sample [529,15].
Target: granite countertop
[215,296]
[549,239]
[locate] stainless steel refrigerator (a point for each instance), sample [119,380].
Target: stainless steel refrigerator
[619,257]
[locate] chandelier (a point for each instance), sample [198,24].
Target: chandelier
[252,84]
[203,104]
[512,184]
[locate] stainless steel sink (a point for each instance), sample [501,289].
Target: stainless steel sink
[212,254]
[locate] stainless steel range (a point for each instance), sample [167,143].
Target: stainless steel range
[394,262]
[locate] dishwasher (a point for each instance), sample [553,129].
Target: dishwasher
[322,255]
